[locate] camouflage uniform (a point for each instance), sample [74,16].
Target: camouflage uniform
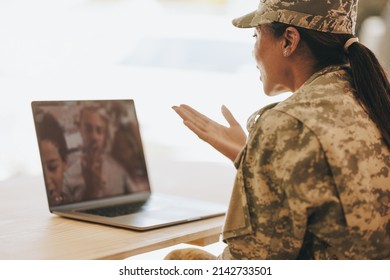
[313,180]
[335,16]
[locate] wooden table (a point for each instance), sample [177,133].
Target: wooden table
[29,231]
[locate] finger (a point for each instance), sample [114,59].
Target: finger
[187,113]
[228,116]
[199,118]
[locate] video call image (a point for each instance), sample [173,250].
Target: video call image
[89,150]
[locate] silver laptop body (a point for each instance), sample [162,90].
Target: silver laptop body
[94,167]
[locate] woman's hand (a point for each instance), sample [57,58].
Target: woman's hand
[227,140]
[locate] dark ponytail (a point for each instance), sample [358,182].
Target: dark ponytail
[372,86]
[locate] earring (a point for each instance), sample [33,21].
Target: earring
[285,53]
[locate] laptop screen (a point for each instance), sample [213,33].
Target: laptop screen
[89,150]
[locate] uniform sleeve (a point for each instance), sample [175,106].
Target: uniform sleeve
[285,179]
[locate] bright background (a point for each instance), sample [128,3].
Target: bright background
[158,52]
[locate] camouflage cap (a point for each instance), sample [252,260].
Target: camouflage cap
[333,16]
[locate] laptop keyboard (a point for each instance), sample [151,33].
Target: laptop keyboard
[116,210]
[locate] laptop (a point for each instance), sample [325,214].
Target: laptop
[95,170]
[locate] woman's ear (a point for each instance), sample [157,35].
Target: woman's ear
[291,38]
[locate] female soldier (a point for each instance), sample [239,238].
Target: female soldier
[313,177]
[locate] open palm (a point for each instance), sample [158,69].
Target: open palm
[229,140]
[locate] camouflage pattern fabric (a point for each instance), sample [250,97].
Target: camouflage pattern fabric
[313,180]
[334,16]
[189,254]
